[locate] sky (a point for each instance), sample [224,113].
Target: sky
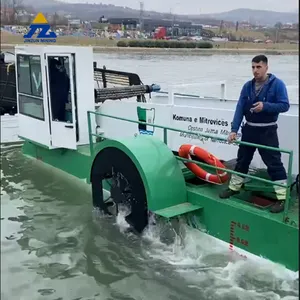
[200,6]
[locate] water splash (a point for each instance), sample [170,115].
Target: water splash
[206,263]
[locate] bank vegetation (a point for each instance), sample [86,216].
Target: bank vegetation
[164,44]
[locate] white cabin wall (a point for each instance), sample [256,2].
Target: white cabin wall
[31,128]
[85,90]
[84,72]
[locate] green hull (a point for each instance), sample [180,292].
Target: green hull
[234,221]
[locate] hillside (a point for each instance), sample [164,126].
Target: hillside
[87,11]
[260,16]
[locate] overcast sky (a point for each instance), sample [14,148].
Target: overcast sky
[201,6]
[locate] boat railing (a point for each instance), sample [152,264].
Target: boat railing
[165,129]
[172,90]
[216,85]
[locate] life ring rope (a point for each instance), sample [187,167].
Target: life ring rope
[187,150]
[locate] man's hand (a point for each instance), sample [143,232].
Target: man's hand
[231,137]
[257,107]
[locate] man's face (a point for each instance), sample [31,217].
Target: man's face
[259,70]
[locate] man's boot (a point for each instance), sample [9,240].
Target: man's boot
[280,193]
[234,187]
[277,207]
[227,193]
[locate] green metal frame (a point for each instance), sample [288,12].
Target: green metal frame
[165,132]
[152,158]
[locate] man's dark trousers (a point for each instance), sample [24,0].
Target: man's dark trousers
[267,136]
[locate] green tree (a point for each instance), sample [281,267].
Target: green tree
[278,25]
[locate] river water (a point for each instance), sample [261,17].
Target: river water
[55,247]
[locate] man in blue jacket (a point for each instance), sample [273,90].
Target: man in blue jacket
[261,100]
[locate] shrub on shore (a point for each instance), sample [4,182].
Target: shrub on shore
[163,44]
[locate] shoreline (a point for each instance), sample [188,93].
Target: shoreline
[189,51]
[175,51]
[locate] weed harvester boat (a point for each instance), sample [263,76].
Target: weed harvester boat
[139,152]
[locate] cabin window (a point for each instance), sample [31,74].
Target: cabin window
[30,88]
[59,83]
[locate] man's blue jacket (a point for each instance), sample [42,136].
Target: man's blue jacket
[274,97]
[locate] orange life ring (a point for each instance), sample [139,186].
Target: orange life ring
[185,151]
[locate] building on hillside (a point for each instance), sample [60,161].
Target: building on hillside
[289,26]
[24,18]
[74,23]
[125,23]
[173,27]
[245,25]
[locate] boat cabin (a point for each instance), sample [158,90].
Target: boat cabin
[57,85]
[48,93]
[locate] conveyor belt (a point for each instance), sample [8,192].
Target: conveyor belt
[117,93]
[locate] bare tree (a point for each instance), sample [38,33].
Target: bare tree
[17,6]
[5,6]
[10,9]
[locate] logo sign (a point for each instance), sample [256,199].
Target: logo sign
[146,115]
[44,35]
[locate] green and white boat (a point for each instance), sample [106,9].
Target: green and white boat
[126,147]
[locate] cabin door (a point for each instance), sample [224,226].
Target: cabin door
[61,100]
[32,99]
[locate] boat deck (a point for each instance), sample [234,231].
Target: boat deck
[84,149]
[253,201]
[246,200]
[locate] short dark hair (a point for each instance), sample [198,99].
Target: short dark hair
[258,58]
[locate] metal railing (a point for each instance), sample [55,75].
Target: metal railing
[171,89]
[165,138]
[220,86]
